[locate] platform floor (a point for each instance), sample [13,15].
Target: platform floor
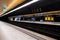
[11,32]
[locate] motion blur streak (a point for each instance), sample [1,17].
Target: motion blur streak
[31,2]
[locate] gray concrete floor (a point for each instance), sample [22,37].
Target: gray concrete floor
[11,32]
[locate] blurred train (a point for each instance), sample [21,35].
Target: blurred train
[42,17]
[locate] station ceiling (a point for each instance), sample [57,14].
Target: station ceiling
[46,5]
[9,4]
[2,2]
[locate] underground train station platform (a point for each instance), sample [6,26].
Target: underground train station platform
[29,19]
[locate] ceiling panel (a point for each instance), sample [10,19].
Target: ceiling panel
[9,4]
[2,2]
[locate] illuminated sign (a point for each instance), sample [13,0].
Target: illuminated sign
[4,7]
[49,18]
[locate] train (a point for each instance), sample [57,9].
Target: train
[42,17]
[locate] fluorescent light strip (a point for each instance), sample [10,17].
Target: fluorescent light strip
[31,2]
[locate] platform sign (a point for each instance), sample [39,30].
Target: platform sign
[4,8]
[49,18]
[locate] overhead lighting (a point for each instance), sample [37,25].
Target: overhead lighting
[26,4]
